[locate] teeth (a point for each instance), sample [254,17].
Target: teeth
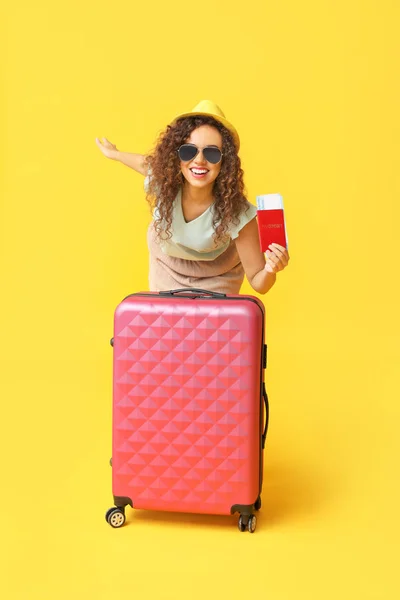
[199,171]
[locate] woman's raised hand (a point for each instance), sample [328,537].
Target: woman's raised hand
[137,162]
[277,258]
[108,149]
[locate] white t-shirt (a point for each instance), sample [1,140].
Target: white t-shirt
[194,240]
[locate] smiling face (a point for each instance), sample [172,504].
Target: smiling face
[198,172]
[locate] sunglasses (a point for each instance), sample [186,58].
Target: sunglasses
[212,154]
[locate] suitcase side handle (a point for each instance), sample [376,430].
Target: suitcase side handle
[264,435]
[192,291]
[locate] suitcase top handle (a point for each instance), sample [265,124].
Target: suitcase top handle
[192,291]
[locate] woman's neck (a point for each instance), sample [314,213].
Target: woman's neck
[194,195]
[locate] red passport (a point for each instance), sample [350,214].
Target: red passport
[271,221]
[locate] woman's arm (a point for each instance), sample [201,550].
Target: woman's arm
[261,274]
[133,161]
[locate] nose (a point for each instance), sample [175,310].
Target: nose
[199,158]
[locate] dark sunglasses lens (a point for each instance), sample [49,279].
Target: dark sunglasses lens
[212,155]
[187,152]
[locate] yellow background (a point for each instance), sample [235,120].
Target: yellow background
[313,89]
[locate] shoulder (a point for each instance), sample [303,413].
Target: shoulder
[250,209]
[248,213]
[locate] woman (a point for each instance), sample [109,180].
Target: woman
[204,232]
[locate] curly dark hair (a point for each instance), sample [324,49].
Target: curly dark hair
[166,177]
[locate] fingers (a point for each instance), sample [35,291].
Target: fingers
[277,258]
[281,253]
[105,143]
[278,246]
[108,149]
[270,256]
[100,143]
[273,265]
[270,264]
[108,144]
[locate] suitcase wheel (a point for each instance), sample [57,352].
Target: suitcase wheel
[257,504]
[115,517]
[247,522]
[241,524]
[251,525]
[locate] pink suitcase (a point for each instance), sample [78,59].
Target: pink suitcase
[189,423]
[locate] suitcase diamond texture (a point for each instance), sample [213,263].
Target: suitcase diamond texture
[181,409]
